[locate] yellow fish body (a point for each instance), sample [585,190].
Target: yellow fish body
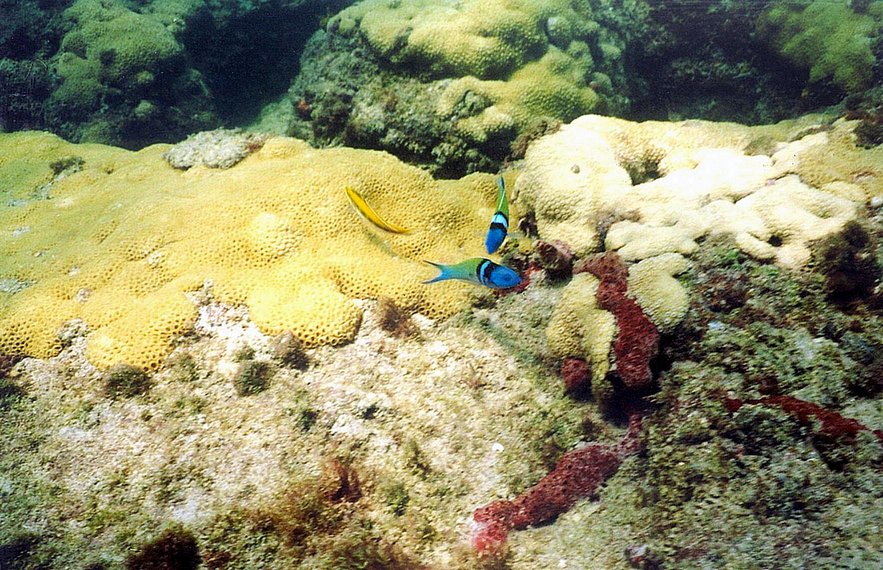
[369,214]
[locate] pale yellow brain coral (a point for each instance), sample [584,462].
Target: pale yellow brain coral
[549,87]
[121,242]
[666,185]
[653,286]
[580,328]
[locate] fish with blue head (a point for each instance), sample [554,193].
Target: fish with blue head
[500,221]
[479,271]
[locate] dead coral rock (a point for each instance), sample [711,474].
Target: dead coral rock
[220,148]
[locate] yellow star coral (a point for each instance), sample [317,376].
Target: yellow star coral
[121,242]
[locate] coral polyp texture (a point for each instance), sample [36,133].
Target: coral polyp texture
[653,188]
[119,239]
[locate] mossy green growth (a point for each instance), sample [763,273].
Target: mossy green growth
[81,91]
[9,391]
[125,381]
[252,377]
[826,38]
[397,498]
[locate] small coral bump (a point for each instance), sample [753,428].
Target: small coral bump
[577,376]
[7,361]
[640,556]
[394,319]
[303,109]
[342,482]
[847,260]
[287,350]
[9,391]
[555,257]
[125,381]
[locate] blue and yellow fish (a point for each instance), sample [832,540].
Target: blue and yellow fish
[479,271]
[500,222]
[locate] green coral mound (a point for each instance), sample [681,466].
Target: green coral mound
[452,84]
[108,48]
[488,39]
[128,48]
[549,87]
[828,39]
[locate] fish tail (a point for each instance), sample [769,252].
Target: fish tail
[444,272]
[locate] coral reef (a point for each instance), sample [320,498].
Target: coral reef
[702,183]
[123,79]
[451,86]
[136,73]
[637,338]
[293,251]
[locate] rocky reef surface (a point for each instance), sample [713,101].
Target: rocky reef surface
[351,430]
